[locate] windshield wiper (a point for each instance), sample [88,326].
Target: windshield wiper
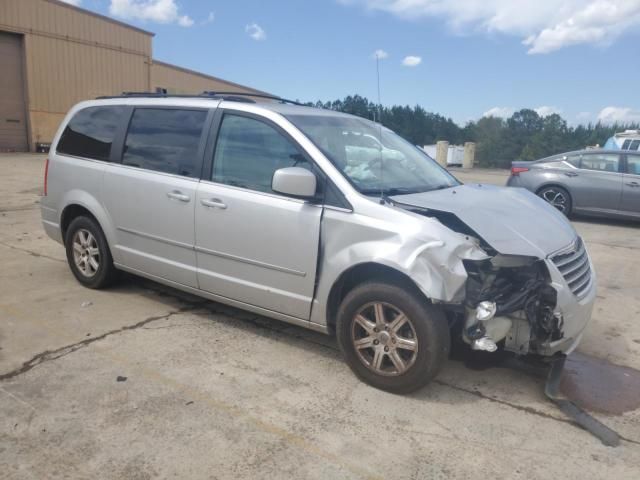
[390,191]
[440,187]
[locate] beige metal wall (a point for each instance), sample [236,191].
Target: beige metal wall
[181,80]
[73,55]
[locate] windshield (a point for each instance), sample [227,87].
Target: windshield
[373,158]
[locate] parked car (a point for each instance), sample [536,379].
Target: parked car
[276,208]
[591,182]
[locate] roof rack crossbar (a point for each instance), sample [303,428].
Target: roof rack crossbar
[247,94]
[233,96]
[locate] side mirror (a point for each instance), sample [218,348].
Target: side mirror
[294,181]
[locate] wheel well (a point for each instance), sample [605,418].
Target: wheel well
[361,273]
[557,185]
[69,214]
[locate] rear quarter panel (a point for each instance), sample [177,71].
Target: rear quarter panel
[544,174]
[72,181]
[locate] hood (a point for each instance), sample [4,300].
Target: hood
[513,221]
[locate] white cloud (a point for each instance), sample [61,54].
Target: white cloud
[210,18]
[160,11]
[546,110]
[185,21]
[584,117]
[379,54]
[256,32]
[73,2]
[544,25]
[619,115]
[502,112]
[411,61]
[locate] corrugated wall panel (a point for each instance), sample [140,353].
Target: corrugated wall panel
[59,19]
[63,73]
[178,80]
[66,73]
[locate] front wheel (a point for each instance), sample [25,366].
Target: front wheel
[391,337]
[558,198]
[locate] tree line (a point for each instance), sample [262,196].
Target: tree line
[523,136]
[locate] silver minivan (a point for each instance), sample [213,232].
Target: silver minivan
[296,214]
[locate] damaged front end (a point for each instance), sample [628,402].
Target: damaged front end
[521,302]
[510,298]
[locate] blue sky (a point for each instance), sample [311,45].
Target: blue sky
[580,58]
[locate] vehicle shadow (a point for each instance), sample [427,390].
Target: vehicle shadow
[459,381]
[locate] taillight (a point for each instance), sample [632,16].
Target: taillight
[46,175]
[515,171]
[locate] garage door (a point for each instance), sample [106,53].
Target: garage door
[13,125]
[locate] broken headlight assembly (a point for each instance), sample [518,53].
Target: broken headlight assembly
[509,297]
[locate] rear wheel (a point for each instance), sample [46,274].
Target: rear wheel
[391,337]
[557,197]
[88,253]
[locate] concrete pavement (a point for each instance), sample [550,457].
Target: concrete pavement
[142,381]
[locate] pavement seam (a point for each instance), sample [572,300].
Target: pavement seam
[521,408]
[51,355]
[283,331]
[32,253]
[24,208]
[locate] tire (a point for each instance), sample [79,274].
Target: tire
[557,197]
[88,253]
[425,330]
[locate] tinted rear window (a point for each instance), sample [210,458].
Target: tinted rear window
[90,132]
[165,140]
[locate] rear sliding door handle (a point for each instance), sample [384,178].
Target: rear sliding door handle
[633,184]
[214,203]
[178,195]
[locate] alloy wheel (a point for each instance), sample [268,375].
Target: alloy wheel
[86,254]
[384,339]
[555,198]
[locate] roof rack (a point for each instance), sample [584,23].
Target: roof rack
[247,94]
[232,96]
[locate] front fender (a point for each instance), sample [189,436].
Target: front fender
[421,248]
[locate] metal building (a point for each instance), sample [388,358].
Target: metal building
[53,55]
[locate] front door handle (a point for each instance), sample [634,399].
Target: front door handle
[214,203]
[571,174]
[633,184]
[178,195]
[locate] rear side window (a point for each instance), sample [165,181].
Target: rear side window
[249,151]
[633,164]
[90,132]
[601,162]
[573,160]
[165,140]
[635,145]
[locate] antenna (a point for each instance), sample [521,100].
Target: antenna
[380,128]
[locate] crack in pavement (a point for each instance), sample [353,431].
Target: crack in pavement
[612,245]
[22,208]
[191,305]
[521,408]
[31,252]
[256,322]
[50,355]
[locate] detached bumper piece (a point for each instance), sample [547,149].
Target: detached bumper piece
[552,390]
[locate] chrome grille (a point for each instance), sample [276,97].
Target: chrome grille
[573,263]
